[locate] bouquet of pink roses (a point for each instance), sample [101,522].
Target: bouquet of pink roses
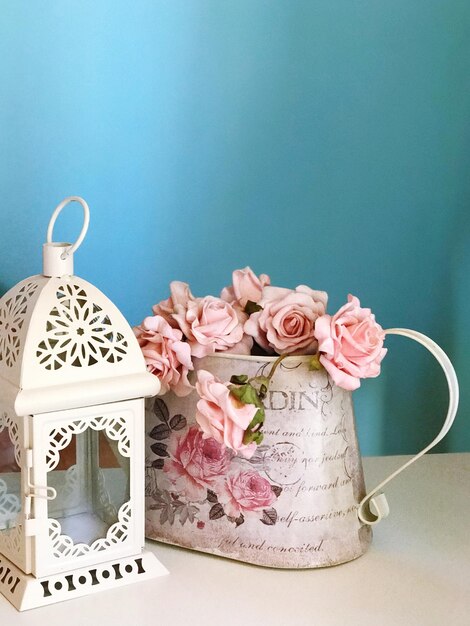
[253,317]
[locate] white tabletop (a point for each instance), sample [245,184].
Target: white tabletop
[417,572]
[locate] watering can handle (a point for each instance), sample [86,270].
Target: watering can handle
[374,506]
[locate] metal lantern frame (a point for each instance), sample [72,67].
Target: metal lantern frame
[69,364]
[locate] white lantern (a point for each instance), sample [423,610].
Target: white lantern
[72,387]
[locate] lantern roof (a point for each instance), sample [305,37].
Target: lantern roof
[63,343]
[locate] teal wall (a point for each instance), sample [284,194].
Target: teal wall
[325,143]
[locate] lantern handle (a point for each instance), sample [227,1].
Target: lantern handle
[86,220]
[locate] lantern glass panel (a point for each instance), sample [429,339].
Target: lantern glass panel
[10,483]
[92,483]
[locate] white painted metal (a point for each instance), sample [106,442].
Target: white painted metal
[77,335]
[86,221]
[16,308]
[69,364]
[58,257]
[55,260]
[374,507]
[14,543]
[52,432]
[28,592]
[51,329]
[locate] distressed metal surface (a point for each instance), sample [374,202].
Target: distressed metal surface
[309,456]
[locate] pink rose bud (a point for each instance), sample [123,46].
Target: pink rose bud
[246,286]
[180,296]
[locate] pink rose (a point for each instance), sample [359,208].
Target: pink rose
[245,492]
[222,416]
[166,355]
[351,344]
[286,323]
[180,295]
[246,286]
[196,463]
[211,324]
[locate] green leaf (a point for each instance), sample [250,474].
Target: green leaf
[263,390]
[259,418]
[252,307]
[240,379]
[236,391]
[314,363]
[246,394]
[250,437]
[261,380]
[258,437]
[253,432]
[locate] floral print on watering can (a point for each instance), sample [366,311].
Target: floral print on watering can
[292,504]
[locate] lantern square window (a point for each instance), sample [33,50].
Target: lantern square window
[92,480]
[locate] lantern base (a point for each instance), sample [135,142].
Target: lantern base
[25,591]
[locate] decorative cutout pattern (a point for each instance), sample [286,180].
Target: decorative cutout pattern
[8,579]
[67,585]
[7,422]
[11,541]
[104,574]
[63,546]
[10,506]
[79,333]
[60,438]
[12,315]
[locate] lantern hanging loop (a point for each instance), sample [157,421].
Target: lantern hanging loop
[86,222]
[58,256]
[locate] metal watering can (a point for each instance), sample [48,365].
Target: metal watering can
[300,501]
